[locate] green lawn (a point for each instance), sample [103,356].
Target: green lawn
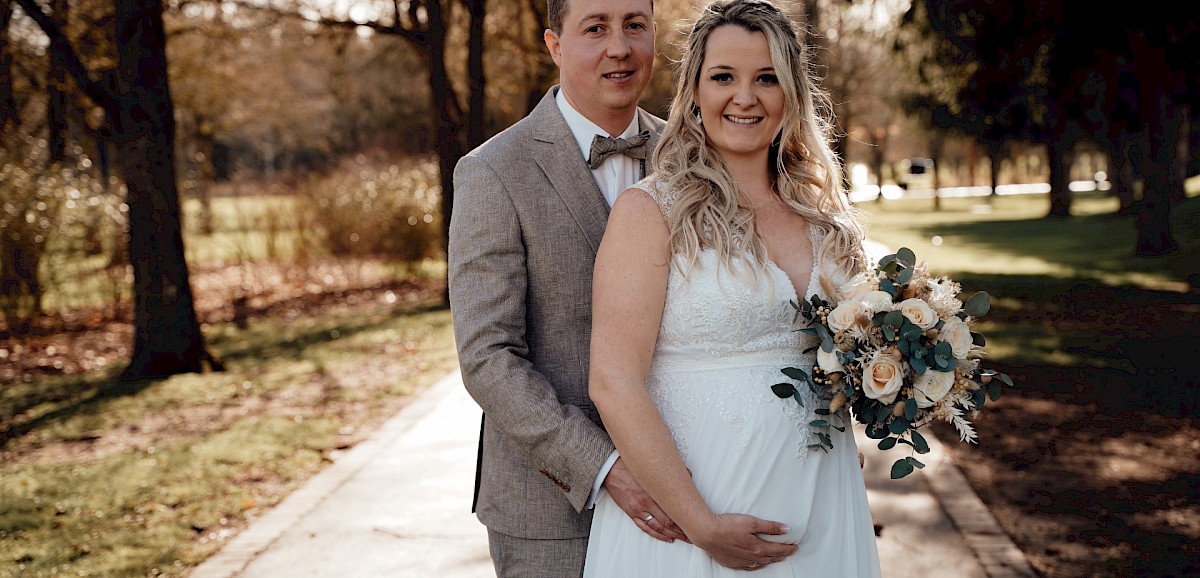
[103,478]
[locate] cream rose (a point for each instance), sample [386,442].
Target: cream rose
[846,315]
[828,361]
[856,287]
[957,333]
[882,377]
[877,301]
[919,312]
[932,386]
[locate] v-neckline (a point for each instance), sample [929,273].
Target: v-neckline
[812,273]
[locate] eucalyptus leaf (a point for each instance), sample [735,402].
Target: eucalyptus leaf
[910,409]
[915,462]
[887,443]
[889,332]
[994,390]
[818,423]
[918,364]
[799,400]
[876,431]
[894,318]
[901,468]
[795,373]
[979,398]
[977,305]
[977,339]
[906,256]
[920,442]
[904,276]
[898,426]
[888,287]
[1006,379]
[783,390]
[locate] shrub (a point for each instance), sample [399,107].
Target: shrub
[373,208]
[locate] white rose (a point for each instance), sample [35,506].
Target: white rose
[846,315]
[919,312]
[932,386]
[877,301]
[882,377]
[957,333]
[828,361]
[856,287]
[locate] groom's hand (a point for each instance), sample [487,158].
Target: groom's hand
[639,506]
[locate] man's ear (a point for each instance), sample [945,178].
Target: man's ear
[553,44]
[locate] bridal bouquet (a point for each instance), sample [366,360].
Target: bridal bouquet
[899,351]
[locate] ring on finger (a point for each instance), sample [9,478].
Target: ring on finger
[648,518]
[754,564]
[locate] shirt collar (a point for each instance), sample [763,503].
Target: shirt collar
[585,130]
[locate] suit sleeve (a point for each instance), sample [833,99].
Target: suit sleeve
[488,287]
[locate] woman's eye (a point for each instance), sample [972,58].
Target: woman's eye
[722,77]
[768,79]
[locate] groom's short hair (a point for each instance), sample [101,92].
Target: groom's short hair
[556,10]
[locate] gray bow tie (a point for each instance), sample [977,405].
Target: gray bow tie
[604,147]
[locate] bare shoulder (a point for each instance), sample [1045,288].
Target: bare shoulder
[636,207]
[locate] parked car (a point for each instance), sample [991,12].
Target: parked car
[915,173]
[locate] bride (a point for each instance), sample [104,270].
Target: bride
[743,213]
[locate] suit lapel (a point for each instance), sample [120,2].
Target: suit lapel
[558,155]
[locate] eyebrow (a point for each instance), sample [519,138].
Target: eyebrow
[603,17]
[728,67]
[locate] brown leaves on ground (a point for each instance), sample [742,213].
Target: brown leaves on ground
[1095,472]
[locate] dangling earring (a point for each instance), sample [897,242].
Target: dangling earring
[696,114]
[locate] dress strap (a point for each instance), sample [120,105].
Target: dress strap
[657,191]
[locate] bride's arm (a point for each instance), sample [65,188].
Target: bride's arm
[628,296]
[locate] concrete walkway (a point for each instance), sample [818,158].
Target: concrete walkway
[397,505]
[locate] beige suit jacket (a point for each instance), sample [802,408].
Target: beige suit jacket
[526,224]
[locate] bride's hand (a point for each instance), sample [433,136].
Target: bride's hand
[733,541]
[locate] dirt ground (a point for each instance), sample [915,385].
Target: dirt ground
[1093,472]
[1096,472]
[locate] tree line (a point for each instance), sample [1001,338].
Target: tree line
[168,97]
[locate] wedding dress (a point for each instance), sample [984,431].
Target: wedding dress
[721,345]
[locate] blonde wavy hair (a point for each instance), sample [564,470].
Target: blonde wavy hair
[805,172]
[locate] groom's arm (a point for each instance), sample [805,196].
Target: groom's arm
[488,296]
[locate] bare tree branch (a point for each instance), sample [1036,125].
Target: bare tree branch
[74,65]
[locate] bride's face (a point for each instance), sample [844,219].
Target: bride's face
[739,96]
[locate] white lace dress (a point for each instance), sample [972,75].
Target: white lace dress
[721,345]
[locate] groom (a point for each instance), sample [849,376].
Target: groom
[530,209]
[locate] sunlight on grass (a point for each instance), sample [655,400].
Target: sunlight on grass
[1012,236]
[130,479]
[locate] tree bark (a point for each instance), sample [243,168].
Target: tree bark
[56,88]
[167,337]
[9,117]
[1060,193]
[1161,119]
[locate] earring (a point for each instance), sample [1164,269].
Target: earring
[696,114]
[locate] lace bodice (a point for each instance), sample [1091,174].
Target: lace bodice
[733,322]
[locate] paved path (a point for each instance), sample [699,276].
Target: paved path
[397,505]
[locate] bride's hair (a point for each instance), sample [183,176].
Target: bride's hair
[804,170]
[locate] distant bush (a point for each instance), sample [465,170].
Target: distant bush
[379,209]
[53,219]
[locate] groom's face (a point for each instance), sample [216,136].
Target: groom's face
[604,54]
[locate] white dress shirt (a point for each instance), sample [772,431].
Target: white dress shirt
[617,173]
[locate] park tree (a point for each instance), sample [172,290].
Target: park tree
[137,99]
[1024,67]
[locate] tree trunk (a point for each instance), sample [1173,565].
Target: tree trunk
[1122,176]
[476,82]
[1193,140]
[1059,160]
[1161,119]
[9,117]
[447,120]
[995,152]
[167,337]
[56,87]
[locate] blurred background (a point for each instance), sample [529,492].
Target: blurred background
[222,226]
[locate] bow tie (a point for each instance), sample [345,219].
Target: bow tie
[604,147]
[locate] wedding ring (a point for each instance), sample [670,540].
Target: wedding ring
[648,518]
[754,564]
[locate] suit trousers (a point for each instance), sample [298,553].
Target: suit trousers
[529,558]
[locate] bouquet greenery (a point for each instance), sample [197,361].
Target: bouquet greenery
[899,351]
